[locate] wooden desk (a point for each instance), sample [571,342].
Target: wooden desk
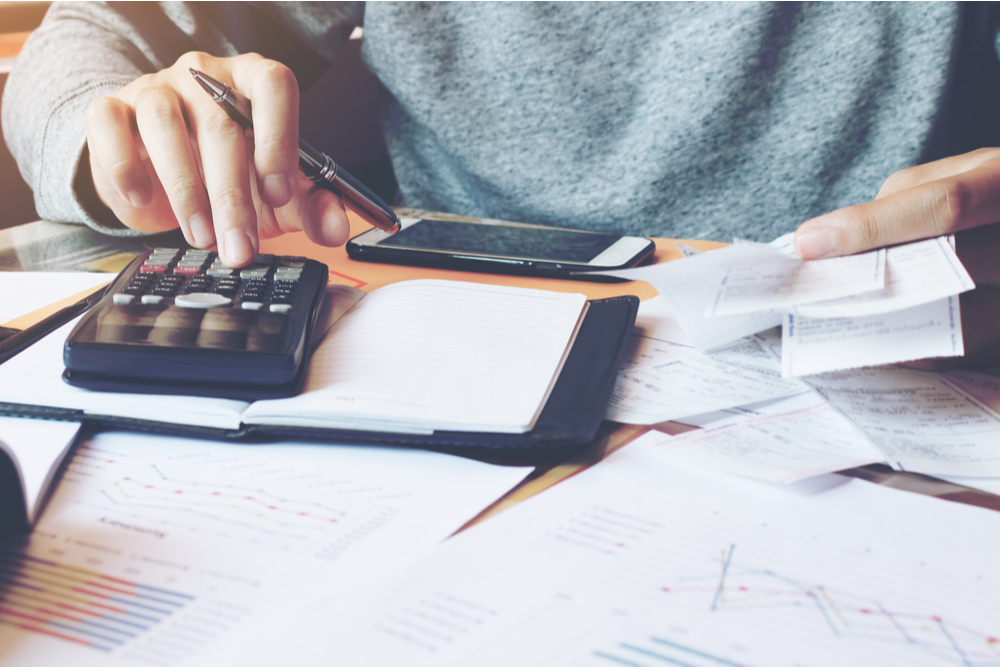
[65,247]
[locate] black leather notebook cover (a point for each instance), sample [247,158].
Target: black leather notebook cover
[568,422]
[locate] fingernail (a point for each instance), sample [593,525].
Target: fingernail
[200,228]
[277,190]
[139,197]
[238,248]
[814,243]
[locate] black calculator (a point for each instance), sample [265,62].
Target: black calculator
[181,322]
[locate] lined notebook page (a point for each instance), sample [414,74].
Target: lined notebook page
[428,355]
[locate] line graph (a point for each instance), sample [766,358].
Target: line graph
[240,510]
[744,589]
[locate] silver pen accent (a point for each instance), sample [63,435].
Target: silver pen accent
[316,165]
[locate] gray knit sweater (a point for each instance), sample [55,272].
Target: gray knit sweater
[682,120]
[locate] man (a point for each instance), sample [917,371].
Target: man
[683,120]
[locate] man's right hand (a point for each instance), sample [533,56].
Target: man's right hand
[164,155]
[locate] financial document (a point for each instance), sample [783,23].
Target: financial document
[155,550]
[873,308]
[915,274]
[735,375]
[645,561]
[812,345]
[785,441]
[922,422]
[784,282]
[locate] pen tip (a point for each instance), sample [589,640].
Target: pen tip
[194,72]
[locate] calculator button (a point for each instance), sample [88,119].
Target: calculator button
[195,289]
[146,268]
[280,307]
[202,300]
[187,270]
[264,259]
[252,305]
[291,263]
[151,299]
[253,273]
[134,290]
[220,273]
[158,261]
[123,299]
[172,251]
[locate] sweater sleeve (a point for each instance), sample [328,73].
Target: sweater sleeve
[87,50]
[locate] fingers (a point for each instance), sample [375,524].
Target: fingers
[223,153]
[932,171]
[318,212]
[112,146]
[164,154]
[160,119]
[275,95]
[942,206]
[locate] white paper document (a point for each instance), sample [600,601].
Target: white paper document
[688,285]
[787,441]
[915,274]
[784,282]
[735,375]
[157,551]
[921,421]
[811,345]
[657,337]
[645,561]
[874,308]
[27,291]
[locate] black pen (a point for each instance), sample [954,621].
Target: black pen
[318,166]
[28,337]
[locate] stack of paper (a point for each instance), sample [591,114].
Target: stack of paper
[880,307]
[756,423]
[640,561]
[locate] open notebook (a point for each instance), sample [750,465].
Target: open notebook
[426,362]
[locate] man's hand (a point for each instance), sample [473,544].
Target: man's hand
[958,195]
[163,155]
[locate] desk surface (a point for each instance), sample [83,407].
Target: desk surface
[46,246]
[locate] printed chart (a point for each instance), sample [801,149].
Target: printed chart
[79,605]
[647,561]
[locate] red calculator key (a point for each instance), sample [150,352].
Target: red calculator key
[146,268]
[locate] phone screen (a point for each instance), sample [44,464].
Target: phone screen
[506,241]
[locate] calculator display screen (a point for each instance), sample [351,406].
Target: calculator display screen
[502,240]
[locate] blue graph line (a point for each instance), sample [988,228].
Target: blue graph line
[658,656]
[700,654]
[614,658]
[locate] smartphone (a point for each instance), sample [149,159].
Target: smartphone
[500,247]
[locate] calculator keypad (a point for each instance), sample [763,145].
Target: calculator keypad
[170,276]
